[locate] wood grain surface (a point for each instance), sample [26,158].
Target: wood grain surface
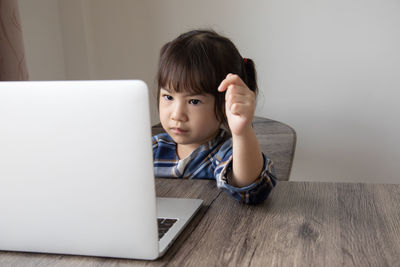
[300,224]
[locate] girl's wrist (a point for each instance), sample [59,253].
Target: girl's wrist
[244,134]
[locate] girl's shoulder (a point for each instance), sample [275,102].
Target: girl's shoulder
[163,138]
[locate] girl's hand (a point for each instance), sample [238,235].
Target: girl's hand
[239,104]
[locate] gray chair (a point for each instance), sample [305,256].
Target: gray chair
[277,141]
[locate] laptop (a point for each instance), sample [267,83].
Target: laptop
[76,171]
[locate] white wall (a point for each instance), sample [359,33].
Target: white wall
[121,40]
[78,55]
[334,76]
[43,39]
[327,68]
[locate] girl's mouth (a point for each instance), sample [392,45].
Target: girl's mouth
[178,130]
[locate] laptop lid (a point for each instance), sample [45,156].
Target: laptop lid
[76,168]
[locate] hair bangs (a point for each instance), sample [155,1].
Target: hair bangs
[185,70]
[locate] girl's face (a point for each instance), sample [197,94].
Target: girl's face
[189,119]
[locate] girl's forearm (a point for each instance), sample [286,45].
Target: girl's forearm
[247,159]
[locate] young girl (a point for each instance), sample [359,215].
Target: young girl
[204,86]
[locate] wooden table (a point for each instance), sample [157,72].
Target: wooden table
[301,224]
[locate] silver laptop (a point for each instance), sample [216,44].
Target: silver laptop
[76,171]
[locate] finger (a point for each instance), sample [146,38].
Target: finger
[236,98]
[240,109]
[240,90]
[230,79]
[240,95]
[235,109]
[228,102]
[233,79]
[235,90]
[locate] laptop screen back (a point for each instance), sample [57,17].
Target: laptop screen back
[76,169]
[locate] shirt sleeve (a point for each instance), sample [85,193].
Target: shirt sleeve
[254,193]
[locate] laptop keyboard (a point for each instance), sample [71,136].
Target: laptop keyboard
[164,225]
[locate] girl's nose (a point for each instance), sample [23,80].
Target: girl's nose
[179,113]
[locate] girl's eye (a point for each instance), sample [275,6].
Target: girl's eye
[168,97]
[194,101]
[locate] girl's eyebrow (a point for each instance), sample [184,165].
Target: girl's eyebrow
[194,94]
[185,94]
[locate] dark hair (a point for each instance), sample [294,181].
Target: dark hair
[198,61]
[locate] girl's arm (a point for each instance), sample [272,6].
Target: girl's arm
[239,106]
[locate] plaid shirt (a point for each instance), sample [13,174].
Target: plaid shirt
[212,160]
